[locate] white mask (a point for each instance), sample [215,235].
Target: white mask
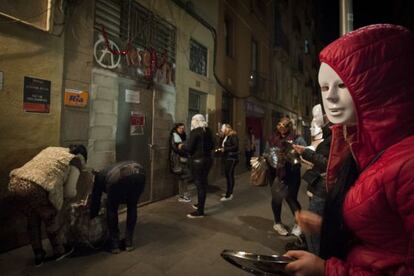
[337,100]
[315,129]
[317,121]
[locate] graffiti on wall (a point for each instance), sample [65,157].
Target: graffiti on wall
[146,63]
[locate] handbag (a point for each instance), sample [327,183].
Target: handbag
[175,164]
[258,176]
[311,177]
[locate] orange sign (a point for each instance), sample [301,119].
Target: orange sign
[76,98]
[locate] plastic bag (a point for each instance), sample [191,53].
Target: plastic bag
[259,171]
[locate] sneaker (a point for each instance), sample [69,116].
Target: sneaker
[115,246]
[226,198]
[280,229]
[68,250]
[39,258]
[194,215]
[296,231]
[129,246]
[184,199]
[195,206]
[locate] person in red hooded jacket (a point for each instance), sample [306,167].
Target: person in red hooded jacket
[366,78]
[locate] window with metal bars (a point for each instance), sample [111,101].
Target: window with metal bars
[197,102]
[198,58]
[128,20]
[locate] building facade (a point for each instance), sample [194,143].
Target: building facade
[295,64]
[116,76]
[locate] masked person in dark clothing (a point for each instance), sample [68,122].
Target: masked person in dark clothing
[318,155]
[124,183]
[230,149]
[199,147]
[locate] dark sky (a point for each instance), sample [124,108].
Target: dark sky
[366,12]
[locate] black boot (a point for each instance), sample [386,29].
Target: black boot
[40,256]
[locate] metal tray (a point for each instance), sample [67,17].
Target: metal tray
[257,264]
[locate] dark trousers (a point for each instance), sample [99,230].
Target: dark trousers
[316,205]
[286,189]
[126,191]
[200,169]
[229,166]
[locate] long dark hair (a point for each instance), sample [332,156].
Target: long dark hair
[174,130]
[335,237]
[79,149]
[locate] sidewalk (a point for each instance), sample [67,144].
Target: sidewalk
[168,243]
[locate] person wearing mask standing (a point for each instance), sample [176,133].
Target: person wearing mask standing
[199,147]
[317,154]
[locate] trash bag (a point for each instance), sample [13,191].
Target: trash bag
[84,231]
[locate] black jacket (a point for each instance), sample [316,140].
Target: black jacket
[319,159]
[231,147]
[200,144]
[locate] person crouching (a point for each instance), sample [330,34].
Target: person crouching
[123,182]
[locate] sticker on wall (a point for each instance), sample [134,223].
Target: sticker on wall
[36,95]
[76,98]
[137,123]
[132,96]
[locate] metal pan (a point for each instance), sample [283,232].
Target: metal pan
[257,264]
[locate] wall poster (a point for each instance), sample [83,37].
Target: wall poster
[36,95]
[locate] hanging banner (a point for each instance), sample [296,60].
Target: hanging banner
[36,95]
[76,98]
[137,123]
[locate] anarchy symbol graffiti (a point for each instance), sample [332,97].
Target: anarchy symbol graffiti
[103,56]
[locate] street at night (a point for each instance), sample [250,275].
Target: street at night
[207,137]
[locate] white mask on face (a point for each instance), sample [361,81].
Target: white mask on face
[317,121]
[337,100]
[315,129]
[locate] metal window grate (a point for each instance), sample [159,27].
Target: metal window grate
[198,58]
[126,19]
[108,14]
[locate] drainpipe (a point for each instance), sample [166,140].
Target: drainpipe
[346,17]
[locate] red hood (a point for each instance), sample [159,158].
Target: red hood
[376,63]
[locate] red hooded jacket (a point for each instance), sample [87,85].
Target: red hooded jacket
[376,63]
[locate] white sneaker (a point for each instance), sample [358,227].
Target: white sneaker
[296,231]
[184,199]
[280,229]
[224,198]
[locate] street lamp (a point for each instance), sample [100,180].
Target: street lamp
[346,17]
